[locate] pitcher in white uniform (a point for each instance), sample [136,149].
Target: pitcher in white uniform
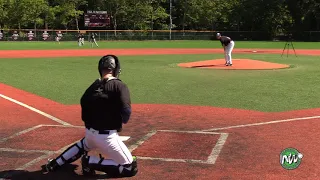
[228,45]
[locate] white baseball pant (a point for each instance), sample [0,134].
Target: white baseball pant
[109,145]
[228,50]
[81,42]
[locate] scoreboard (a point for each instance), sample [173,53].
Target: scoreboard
[96,19]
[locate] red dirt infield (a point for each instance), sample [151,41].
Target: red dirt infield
[250,147]
[132,52]
[178,145]
[245,64]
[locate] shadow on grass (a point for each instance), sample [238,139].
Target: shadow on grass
[67,173]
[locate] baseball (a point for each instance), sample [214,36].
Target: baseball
[300,156]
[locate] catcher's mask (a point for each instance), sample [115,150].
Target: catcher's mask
[109,62]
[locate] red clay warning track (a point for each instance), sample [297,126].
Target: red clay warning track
[245,64]
[131,52]
[245,144]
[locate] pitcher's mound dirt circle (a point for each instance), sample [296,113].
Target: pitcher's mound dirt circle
[246,64]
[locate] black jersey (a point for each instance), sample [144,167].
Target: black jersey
[225,40]
[102,104]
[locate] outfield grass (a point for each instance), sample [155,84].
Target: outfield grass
[157,79]
[153,44]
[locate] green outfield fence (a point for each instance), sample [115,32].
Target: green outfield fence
[107,35]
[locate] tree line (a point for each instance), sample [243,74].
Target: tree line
[272,16]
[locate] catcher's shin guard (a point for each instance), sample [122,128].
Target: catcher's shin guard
[70,155]
[86,170]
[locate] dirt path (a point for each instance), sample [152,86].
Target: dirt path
[131,52]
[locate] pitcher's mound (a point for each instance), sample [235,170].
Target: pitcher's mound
[237,64]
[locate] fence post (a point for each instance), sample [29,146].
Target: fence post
[170,18]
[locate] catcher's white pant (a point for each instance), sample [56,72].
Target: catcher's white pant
[110,145]
[228,50]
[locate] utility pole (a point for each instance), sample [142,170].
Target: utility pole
[170,26]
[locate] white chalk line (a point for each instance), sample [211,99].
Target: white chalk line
[263,123]
[217,148]
[122,138]
[47,155]
[189,132]
[19,133]
[141,141]
[173,160]
[35,110]
[24,150]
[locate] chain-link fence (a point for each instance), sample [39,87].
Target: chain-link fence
[108,35]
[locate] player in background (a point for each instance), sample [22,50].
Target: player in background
[15,35]
[30,35]
[93,40]
[45,35]
[58,36]
[1,34]
[80,39]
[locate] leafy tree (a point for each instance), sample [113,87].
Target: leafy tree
[35,9]
[68,11]
[4,7]
[117,10]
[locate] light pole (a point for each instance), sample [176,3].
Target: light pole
[170,26]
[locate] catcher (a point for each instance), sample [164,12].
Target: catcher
[105,106]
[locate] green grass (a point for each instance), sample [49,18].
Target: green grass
[153,44]
[157,79]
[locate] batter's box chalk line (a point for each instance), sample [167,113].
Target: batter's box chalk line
[63,123]
[47,153]
[210,160]
[309,118]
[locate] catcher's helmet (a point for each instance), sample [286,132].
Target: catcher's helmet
[109,62]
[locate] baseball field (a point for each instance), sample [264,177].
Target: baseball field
[203,122]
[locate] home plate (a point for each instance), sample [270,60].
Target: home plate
[124,138]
